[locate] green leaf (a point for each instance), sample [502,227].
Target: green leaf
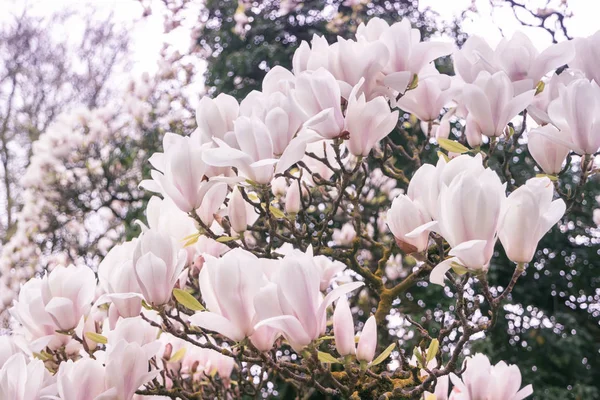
[277,213]
[327,358]
[432,350]
[419,356]
[96,337]
[540,87]
[146,305]
[225,239]
[178,356]
[323,338]
[187,300]
[385,354]
[190,240]
[414,83]
[459,269]
[551,177]
[452,146]
[443,155]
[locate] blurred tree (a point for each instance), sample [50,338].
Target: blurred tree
[45,72]
[242,40]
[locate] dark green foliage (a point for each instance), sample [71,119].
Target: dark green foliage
[237,65]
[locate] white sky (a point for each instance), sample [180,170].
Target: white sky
[147,33]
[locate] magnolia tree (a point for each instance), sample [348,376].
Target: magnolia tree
[284,225]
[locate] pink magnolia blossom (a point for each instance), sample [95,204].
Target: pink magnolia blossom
[158,261]
[527,215]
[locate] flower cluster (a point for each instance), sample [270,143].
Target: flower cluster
[277,207]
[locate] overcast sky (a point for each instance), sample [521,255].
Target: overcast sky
[147,34]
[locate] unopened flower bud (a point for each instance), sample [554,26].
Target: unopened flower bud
[367,344]
[237,211]
[293,199]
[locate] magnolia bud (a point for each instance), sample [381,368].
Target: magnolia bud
[367,344]
[343,328]
[237,211]
[293,199]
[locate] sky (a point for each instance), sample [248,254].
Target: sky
[147,32]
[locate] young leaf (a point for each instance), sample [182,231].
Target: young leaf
[432,350]
[443,155]
[551,177]
[539,87]
[419,356]
[178,356]
[192,240]
[277,213]
[225,239]
[96,337]
[385,354]
[327,358]
[187,300]
[452,146]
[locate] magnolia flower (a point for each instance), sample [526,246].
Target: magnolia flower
[215,118]
[352,62]
[158,261]
[408,55]
[343,328]
[441,390]
[165,216]
[82,380]
[538,109]
[440,129]
[20,380]
[280,113]
[424,187]
[116,276]
[134,330]
[524,64]
[278,79]
[298,300]
[547,153]
[67,293]
[517,57]
[429,97]
[38,325]
[469,209]
[254,158]
[8,348]
[481,380]
[473,58]
[328,270]
[408,221]
[199,363]
[492,103]
[527,215]
[228,286]
[577,111]
[311,57]
[127,368]
[318,94]
[587,56]
[367,343]
[181,174]
[367,122]
[345,235]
